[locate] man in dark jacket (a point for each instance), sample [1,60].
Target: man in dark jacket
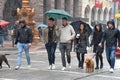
[23,39]
[111,36]
[50,39]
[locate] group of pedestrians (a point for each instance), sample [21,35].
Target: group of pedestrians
[65,35]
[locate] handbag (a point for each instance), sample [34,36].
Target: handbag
[117,51]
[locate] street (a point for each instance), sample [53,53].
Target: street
[39,71]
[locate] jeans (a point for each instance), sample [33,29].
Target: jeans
[21,47]
[65,48]
[1,40]
[51,48]
[110,54]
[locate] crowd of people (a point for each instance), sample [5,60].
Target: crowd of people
[66,34]
[22,38]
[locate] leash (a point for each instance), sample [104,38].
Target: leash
[92,57]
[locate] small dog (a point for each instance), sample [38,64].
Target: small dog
[3,58]
[89,65]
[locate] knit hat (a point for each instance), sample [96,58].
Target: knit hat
[22,21]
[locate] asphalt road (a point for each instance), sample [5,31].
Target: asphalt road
[39,71]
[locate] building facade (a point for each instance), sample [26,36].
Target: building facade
[79,9]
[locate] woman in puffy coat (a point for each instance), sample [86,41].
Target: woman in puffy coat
[97,37]
[81,43]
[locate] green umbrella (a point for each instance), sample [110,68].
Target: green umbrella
[58,14]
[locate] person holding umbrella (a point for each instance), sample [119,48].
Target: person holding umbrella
[81,43]
[66,34]
[50,40]
[97,37]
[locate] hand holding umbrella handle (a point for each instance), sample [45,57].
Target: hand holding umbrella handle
[57,27]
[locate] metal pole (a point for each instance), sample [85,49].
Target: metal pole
[115,10]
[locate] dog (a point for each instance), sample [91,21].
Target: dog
[3,59]
[89,65]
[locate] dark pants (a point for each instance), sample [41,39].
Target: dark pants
[110,54]
[65,48]
[51,47]
[80,57]
[99,57]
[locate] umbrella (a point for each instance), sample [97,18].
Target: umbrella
[58,14]
[4,23]
[41,25]
[77,24]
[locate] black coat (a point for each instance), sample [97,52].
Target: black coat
[111,36]
[82,42]
[97,37]
[23,35]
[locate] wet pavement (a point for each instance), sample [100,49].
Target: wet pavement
[38,70]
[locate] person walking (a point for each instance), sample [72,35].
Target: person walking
[23,40]
[13,32]
[50,39]
[1,36]
[111,35]
[81,43]
[66,34]
[97,37]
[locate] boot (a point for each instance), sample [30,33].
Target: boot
[101,66]
[82,67]
[96,67]
[79,64]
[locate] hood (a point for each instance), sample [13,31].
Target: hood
[111,22]
[100,26]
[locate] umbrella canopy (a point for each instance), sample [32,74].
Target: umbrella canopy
[4,23]
[58,14]
[76,26]
[41,25]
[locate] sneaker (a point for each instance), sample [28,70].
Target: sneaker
[111,70]
[29,66]
[50,67]
[69,66]
[17,67]
[53,66]
[63,68]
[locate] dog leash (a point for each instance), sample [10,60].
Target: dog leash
[92,56]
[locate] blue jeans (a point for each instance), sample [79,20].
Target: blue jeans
[51,47]
[21,47]
[1,40]
[110,54]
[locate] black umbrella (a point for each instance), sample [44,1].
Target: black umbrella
[76,26]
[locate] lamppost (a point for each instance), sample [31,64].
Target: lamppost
[115,10]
